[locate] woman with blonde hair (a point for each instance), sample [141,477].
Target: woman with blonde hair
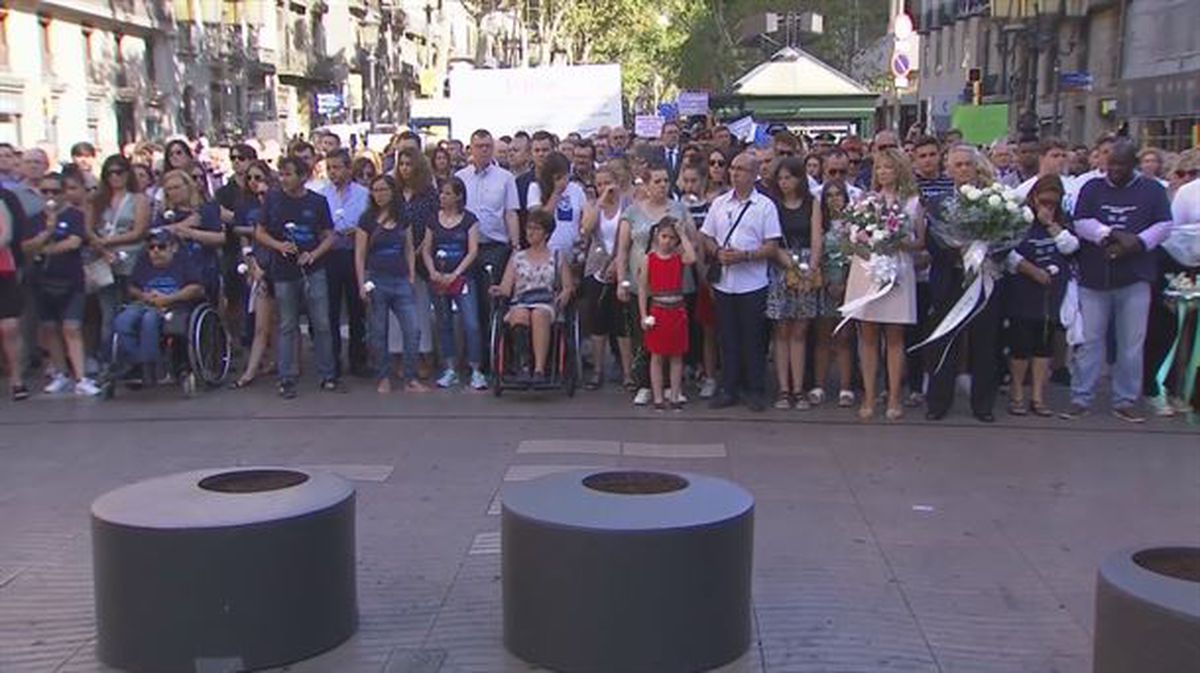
[893,185]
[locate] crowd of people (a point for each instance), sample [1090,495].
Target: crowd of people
[692,260]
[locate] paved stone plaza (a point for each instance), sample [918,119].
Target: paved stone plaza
[954,547]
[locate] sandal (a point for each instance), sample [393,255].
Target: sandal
[866,413]
[894,413]
[1040,409]
[660,406]
[241,383]
[783,401]
[629,386]
[1017,408]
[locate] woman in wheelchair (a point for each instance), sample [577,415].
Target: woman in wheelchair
[530,280]
[197,226]
[164,287]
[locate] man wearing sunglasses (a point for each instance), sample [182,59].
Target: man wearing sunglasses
[233,194]
[164,286]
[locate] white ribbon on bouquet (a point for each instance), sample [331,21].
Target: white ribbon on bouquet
[883,270]
[972,301]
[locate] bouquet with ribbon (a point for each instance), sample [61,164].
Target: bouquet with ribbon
[1183,293]
[982,223]
[875,231]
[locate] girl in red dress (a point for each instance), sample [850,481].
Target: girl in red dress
[660,301]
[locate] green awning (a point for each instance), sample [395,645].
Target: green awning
[981,124]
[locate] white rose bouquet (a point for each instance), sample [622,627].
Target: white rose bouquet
[992,215]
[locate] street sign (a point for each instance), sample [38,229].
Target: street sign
[1075,81]
[329,103]
[901,65]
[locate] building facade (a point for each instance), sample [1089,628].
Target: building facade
[94,70]
[1075,68]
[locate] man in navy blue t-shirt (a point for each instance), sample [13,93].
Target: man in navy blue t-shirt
[298,228]
[164,285]
[1120,220]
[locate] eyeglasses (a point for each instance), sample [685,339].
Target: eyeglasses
[716,162]
[256,178]
[156,246]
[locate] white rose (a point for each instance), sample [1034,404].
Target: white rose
[974,193]
[1012,207]
[965,190]
[1027,214]
[994,201]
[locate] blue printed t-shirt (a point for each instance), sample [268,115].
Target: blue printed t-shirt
[1133,208]
[385,249]
[203,256]
[1027,299]
[169,279]
[66,266]
[310,215]
[450,244]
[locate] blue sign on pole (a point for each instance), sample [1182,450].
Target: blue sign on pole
[1077,81]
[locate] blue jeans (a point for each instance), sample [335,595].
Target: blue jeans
[1127,308]
[314,292]
[395,295]
[468,310]
[139,329]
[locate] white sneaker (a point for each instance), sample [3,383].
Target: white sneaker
[709,388]
[643,397]
[670,394]
[58,384]
[449,379]
[87,388]
[816,396]
[845,398]
[478,380]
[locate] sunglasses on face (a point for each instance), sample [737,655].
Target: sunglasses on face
[835,171]
[716,162]
[156,246]
[238,157]
[256,178]
[880,148]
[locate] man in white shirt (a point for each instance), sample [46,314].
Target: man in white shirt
[741,231]
[1053,158]
[348,200]
[492,197]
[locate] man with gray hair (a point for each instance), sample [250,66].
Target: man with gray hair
[741,234]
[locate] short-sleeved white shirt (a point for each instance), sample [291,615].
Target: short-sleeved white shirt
[491,193]
[759,225]
[567,214]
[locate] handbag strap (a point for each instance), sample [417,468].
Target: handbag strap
[729,234]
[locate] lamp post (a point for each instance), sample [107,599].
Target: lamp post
[370,34]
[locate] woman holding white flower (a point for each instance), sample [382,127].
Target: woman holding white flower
[892,186]
[1034,294]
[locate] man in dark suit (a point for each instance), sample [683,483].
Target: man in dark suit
[672,153]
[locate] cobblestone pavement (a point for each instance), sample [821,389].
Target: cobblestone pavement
[880,546]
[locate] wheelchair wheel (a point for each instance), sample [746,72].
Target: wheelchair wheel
[570,355]
[209,346]
[499,362]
